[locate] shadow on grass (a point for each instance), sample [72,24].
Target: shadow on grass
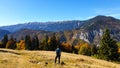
[5,51]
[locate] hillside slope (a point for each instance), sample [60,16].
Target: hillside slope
[45,59]
[3,32]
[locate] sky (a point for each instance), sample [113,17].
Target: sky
[23,11]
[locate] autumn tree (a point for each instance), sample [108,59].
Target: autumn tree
[66,47]
[85,49]
[20,45]
[11,44]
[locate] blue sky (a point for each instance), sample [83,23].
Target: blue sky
[23,11]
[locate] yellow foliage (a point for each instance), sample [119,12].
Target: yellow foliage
[119,50]
[10,44]
[49,41]
[67,47]
[84,44]
[77,47]
[1,43]
[21,45]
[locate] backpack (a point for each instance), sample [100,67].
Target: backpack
[58,51]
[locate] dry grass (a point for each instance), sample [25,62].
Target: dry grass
[45,59]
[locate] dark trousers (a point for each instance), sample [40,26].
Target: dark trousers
[57,56]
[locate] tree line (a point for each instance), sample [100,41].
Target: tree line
[107,50]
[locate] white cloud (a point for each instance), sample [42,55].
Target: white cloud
[114,12]
[115,15]
[90,17]
[106,10]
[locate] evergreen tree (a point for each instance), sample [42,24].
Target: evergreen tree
[108,49]
[53,43]
[5,40]
[35,43]
[44,43]
[11,44]
[93,50]
[46,47]
[28,43]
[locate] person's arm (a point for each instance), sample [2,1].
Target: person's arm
[60,51]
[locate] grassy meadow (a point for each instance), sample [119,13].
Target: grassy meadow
[45,59]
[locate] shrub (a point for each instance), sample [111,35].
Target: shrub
[85,50]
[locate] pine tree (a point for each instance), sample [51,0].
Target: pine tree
[44,43]
[93,50]
[53,43]
[5,40]
[108,49]
[46,47]
[35,43]
[28,43]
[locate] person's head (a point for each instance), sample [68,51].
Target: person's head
[58,46]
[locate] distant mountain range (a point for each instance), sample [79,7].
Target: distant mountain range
[46,26]
[89,30]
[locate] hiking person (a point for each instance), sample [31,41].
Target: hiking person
[58,54]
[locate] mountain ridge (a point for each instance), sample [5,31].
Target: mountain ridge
[47,26]
[89,30]
[58,25]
